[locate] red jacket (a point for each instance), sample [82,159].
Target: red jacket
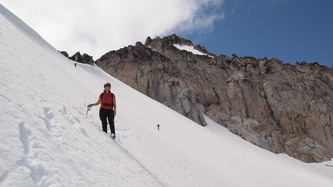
[107,100]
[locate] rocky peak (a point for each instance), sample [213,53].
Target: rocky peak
[168,41]
[166,47]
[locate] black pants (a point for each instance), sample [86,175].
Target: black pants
[107,114]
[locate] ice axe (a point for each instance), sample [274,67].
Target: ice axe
[88,108]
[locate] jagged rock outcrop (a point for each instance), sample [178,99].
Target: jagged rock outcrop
[77,57]
[84,58]
[279,107]
[64,53]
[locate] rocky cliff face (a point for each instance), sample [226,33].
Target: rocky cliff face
[279,107]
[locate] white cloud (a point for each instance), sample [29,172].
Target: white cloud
[97,26]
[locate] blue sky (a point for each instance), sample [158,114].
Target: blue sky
[289,30]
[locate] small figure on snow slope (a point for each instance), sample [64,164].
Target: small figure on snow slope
[108,108]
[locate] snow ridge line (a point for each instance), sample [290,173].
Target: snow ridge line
[152,175]
[4,176]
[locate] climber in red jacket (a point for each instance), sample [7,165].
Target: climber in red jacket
[108,108]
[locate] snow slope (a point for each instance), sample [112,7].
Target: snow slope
[47,139]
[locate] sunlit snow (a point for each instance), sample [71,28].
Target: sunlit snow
[47,139]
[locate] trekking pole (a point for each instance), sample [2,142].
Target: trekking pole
[88,108]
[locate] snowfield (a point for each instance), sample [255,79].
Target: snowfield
[190,49]
[47,139]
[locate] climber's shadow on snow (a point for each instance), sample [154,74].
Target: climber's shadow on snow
[140,164]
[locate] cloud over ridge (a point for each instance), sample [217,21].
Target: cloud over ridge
[98,26]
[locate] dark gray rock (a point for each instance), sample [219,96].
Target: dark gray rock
[64,53]
[84,58]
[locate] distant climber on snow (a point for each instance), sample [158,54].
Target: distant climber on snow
[108,108]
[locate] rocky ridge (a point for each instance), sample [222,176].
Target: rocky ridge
[77,57]
[279,107]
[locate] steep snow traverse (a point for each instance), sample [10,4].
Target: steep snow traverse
[49,139]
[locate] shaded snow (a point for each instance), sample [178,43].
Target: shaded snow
[47,139]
